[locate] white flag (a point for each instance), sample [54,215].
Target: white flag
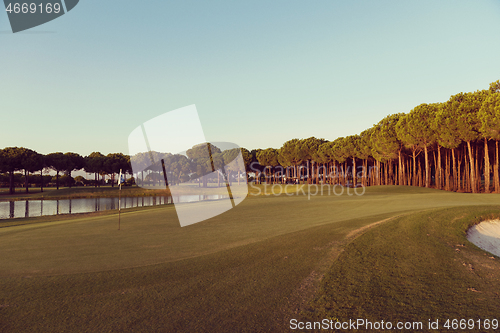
[121,178]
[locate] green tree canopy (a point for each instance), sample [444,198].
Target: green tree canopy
[57,162]
[384,139]
[13,159]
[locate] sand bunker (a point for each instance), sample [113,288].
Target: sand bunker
[486,235]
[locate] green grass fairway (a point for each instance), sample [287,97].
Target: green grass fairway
[250,269]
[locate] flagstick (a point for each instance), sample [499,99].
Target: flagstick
[119,198]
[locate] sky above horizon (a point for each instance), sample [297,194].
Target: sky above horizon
[260,73]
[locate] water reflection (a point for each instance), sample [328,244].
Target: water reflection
[33,208]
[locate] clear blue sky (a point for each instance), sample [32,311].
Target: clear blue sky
[259,72]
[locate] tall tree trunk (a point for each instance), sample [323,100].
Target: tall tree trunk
[439,173]
[365,172]
[41,180]
[325,173]
[427,175]
[409,179]
[307,172]
[455,174]
[477,172]
[354,176]
[379,173]
[486,167]
[414,169]
[345,173]
[420,180]
[57,179]
[317,171]
[390,170]
[385,174]
[495,171]
[447,171]
[459,182]
[466,176]
[472,175]
[404,177]
[435,170]
[26,174]
[11,182]
[334,173]
[400,168]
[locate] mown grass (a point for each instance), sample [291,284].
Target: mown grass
[81,192]
[245,289]
[414,268]
[249,270]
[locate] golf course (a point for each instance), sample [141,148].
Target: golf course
[395,253]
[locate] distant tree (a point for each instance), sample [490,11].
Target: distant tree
[57,162]
[364,153]
[115,162]
[63,179]
[31,162]
[308,149]
[465,108]
[291,154]
[94,163]
[352,150]
[448,136]
[418,132]
[80,179]
[339,156]
[322,158]
[202,157]
[140,162]
[255,166]
[385,144]
[233,163]
[489,115]
[268,158]
[11,160]
[73,162]
[247,158]
[43,165]
[178,168]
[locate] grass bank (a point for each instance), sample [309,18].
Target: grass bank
[415,268]
[52,193]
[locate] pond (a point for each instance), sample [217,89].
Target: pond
[33,208]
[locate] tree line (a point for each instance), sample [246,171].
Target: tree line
[14,159]
[199,163]
[451,146]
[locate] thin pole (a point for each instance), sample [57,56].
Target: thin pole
[119,199]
